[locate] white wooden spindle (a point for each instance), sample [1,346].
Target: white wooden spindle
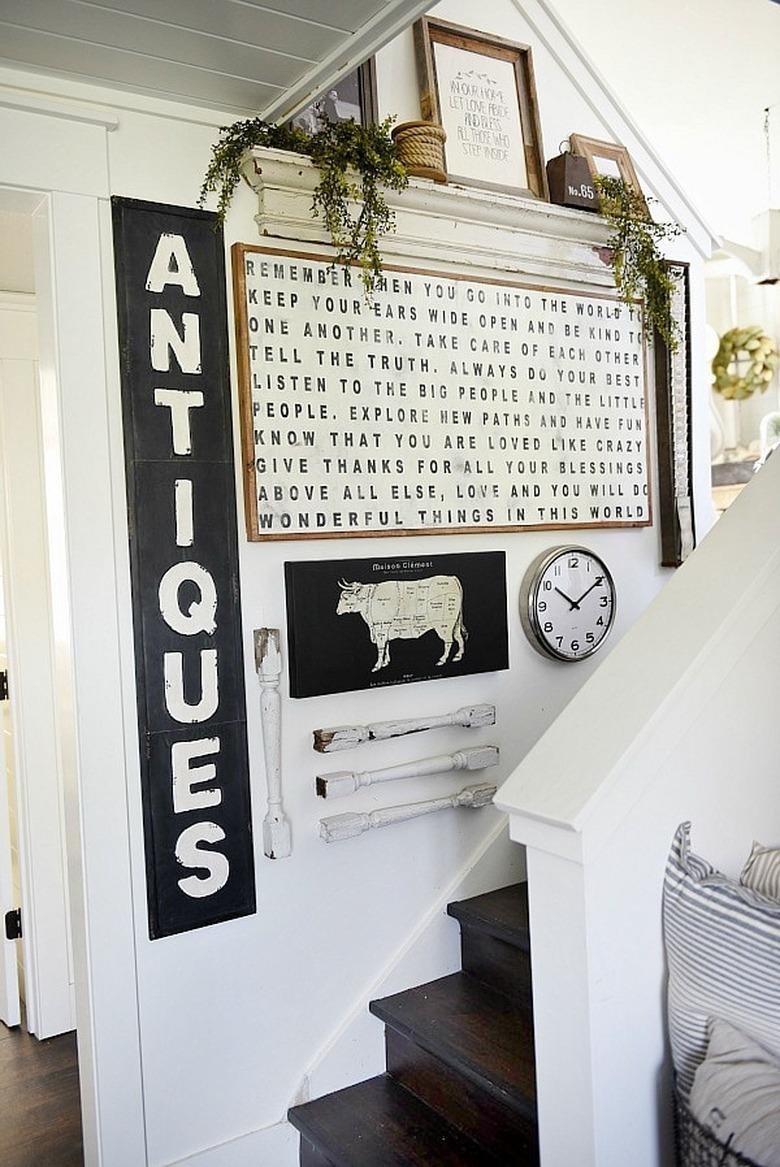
[346,737]
[349,826]
[342,782]
[277,837]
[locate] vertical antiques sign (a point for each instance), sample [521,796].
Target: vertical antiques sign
[184,566]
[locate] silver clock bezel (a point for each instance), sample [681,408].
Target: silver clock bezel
[529,591]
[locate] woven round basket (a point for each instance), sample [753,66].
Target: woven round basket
[420,146]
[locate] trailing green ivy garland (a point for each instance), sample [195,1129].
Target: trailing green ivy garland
[356,163]
[749,347]
[637,262]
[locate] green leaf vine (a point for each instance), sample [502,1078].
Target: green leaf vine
[636,259]
[356,164]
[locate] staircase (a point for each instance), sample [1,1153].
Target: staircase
[459,1089]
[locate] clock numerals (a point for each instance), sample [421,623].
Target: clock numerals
[568,603]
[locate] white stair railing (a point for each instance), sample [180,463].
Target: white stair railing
[679,722]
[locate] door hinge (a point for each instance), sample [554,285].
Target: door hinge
[13,924]
[4,685]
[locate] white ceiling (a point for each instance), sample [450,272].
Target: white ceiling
[246,56]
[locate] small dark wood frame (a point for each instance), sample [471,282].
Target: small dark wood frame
[367,91]
[593,148]
[673,386]
[369,101]
[427,32]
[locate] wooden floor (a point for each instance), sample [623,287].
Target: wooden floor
[40,1120]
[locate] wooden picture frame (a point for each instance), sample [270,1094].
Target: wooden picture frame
[306,355]
[491,112]
[356,91]
[592,149]
[673,428]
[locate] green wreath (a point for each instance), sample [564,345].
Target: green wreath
[738,346]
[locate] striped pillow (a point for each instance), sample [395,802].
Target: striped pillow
[723,953]
[762,871]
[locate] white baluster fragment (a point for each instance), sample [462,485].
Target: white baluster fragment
[349,826]
[277,839]
[343,782]
[346,737]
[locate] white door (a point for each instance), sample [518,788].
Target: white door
[48,963]
[10,1012]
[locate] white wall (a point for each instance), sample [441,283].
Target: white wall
[734,300]
[232,1017]
[697,75]
[267,992]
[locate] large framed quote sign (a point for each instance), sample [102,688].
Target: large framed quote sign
[448,403]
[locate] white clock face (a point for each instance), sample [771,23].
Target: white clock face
[568,603]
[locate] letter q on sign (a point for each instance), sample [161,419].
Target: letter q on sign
[201,614]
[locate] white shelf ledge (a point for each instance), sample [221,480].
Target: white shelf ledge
[445,225]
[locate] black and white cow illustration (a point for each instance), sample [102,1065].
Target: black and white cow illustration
[407,609]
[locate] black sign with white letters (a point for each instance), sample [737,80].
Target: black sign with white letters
[184,566]
[363,623]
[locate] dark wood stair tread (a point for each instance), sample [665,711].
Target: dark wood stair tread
[473,1029]
[379,1124]
[502,913]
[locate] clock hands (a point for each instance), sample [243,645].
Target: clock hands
[572,603]
[599,581]
[576,603]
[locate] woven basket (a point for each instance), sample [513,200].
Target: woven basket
[420,146]
[697,1147]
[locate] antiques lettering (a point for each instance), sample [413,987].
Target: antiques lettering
[195,764]
[184,567]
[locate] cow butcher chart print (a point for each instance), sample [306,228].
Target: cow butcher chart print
[405,610]
[361,623]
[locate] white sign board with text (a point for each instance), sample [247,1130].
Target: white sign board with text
[481,116]
[447,403]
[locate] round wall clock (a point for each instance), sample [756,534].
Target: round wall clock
[567,603]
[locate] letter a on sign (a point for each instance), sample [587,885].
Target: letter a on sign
[184,566]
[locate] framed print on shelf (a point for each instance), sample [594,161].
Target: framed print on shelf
[607,159]
[354,96]
[481,89]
